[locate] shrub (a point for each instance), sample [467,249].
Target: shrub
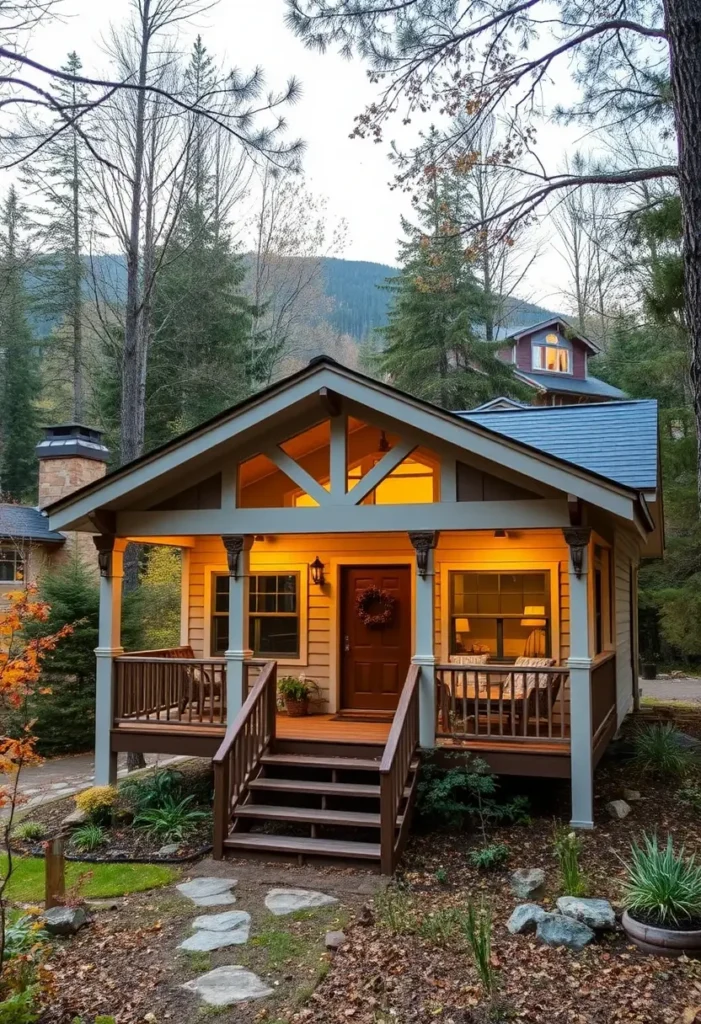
[477,929]
[453,796]
[21,1007]
[97,802]
[171,822]
[29,831]
[23,936]
[568,847]
[154,790]
[489,857]
[88,838]
[663,888]
[657,751]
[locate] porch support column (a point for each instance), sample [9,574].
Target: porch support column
[424,604]
[110,555]
[238,550]
[580,680]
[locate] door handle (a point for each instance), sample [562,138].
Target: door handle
[346,644]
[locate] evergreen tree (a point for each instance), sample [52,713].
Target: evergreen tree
[434,345]
[19,359]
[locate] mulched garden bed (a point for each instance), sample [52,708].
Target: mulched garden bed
[124,842]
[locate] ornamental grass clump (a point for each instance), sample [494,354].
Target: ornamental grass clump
[477,930]
[658,751]
[568,847]
[663,888]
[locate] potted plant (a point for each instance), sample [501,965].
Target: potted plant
[662,897]
[295,693]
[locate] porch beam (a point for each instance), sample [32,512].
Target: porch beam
[379,471]
[579,663]
[109,646]
[297,474]
[338,457]
[460,515]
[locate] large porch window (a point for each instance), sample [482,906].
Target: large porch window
[503,614]
[273,615]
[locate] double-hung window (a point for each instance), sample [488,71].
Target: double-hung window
[273,615]
[11,564]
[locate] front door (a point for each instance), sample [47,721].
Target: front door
[374,659]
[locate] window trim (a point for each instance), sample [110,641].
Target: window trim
[487,565]
[272,569]
[20,560]
[608,598]
[563,345]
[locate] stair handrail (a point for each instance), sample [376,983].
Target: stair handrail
[400,748]
[239,754]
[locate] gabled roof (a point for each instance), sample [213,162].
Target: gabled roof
[23,522]
[501,404]
[617,440]
[560,383]
[557,321]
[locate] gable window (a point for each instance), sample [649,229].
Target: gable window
[503,614]
[11,564]
[273,615]
[552,353]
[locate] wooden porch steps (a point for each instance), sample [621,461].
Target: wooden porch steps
[301,846]
[322,788]
[314,761]
[320,816]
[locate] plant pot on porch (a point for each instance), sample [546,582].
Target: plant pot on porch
[649,670]
[671,942]
[297,708]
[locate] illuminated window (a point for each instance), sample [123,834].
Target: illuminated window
[554,354]
[273,615]
[504,614]
[411,483]
[11,565]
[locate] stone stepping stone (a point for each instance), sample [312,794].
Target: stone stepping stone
[227,985]
[217,931]
[286,901]
[209,892]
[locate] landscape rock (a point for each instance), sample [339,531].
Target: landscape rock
[631,795]
[64,920]
[169,850]
[75,818]
[217,931]
[525,918]
[558,930]
[286,901]
[596,914]
[618,809]
[222,922]
[209,892]
[527,882]
[227,985]
[119,854]
[334,940]
[687,742]
[95,906]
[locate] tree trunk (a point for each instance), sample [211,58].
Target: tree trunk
[683,25]
[77,297]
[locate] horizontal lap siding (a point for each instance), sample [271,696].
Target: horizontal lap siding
[625,556]
[459,547]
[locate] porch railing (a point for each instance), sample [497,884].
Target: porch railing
[502,702]
[400,749]
[603,697]
[170,687]
[238,757]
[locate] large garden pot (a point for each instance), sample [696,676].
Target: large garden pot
[297,708]
[662,941]
[649,670]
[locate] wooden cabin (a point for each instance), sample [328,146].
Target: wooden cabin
[456,580]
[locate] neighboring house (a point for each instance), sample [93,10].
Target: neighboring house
[464,581]
[70,456]
[552,357]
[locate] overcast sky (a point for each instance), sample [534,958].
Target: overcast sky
[353,174]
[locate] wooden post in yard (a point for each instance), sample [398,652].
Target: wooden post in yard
[55,888]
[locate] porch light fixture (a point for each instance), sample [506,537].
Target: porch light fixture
[533,616]
[384,445]
[317,571]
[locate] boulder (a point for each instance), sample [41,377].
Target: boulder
[596,914]
[528,882]
[618,809]
[631,795]
[558,930]
[334,940]
[64,920]
[75,818]
[525,919]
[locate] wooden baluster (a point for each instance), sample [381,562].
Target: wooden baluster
[501,707]
[537,704]
[512,684]
[550,705]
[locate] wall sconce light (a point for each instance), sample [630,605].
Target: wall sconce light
[317,571]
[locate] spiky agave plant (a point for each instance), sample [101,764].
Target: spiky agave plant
[663,888]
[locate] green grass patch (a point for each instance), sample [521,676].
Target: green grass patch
[91,881]
[281,946]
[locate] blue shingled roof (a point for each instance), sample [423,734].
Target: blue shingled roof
[27,523]
[616,440]
[589,386]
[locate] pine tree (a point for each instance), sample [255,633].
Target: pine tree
[19,359]
[434,345]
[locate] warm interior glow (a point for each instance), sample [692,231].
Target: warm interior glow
[552,355]
[411,483]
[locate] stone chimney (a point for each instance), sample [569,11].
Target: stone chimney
[70,456]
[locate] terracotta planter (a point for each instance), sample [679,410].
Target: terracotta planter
[297,708]
[662,941]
